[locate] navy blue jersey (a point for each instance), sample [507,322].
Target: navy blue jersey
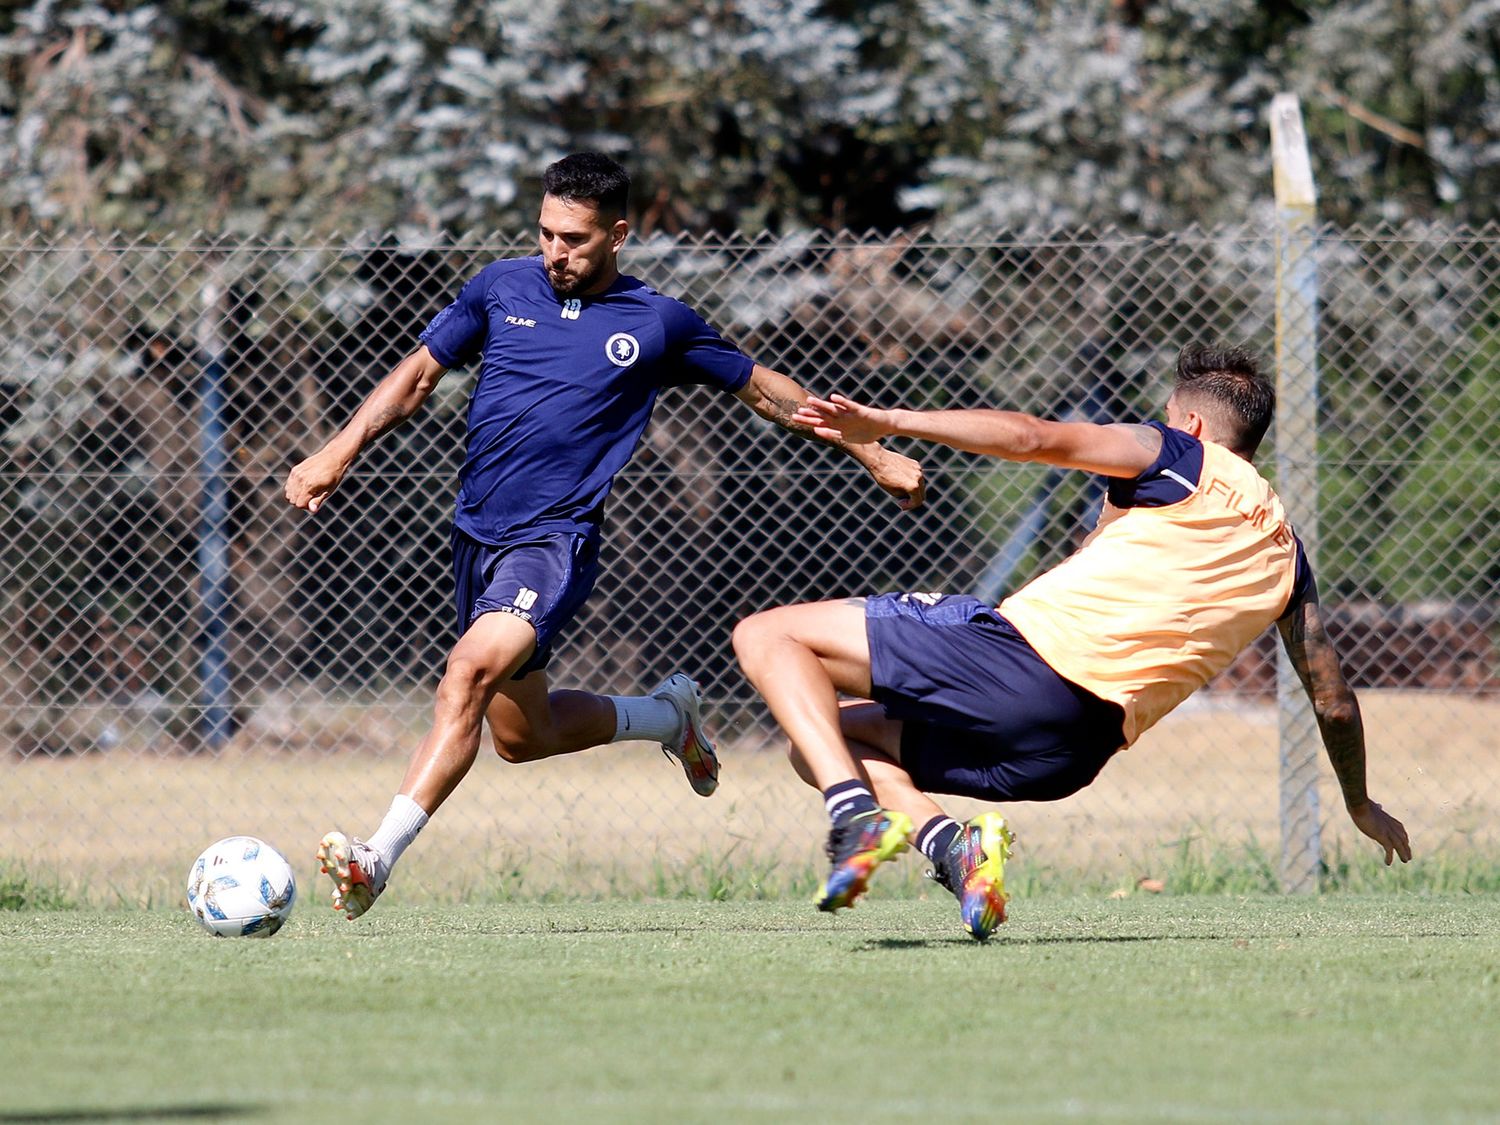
[565,389]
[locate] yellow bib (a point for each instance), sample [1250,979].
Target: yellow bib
[1158,601]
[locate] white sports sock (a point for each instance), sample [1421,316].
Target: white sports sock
[645,718]
[399,828]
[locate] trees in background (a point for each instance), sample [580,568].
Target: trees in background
[131,116]
[981,117]
[369,114]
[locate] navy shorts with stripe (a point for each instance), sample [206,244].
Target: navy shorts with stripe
[982,714]
[544,581]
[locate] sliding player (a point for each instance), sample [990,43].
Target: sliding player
[1192,559]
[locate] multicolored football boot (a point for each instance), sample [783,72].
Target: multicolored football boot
[693,749]
[858,846]
[974,870]
[357,873]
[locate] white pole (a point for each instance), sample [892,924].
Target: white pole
[1296,470]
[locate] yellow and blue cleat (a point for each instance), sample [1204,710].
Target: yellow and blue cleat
[856,848]
[974,870]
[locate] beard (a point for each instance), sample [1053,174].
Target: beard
[565,285]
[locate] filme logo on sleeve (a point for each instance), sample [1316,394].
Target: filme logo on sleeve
[521,605]
[622,349]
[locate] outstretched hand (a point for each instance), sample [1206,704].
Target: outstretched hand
[841,419]
[858,429]
[1384,829]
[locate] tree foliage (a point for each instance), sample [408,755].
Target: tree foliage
[1445,538]
[749,114]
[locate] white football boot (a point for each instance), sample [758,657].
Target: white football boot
[694,749]
[357,872]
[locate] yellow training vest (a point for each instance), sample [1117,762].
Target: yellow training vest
[1158,601]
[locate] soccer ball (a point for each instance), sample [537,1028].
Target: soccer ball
[241,887]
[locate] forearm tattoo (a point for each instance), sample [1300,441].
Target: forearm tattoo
[388,418]
[1334,704]
[780,411]
[1344,739]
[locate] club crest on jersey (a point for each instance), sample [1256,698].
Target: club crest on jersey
[622,349]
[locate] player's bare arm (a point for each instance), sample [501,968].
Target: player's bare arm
[395,399]
[780,399]
[1337,711]
[1116,449]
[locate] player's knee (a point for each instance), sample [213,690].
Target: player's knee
[751,638]
[516,750]
[524,741]
[742,638]
[467,678]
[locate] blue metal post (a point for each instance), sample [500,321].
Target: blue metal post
[995,582]
[215,723]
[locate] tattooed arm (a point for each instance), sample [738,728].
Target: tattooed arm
[395,399]
[777,398]
[1337,712]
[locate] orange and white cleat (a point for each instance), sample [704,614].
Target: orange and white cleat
[694,749]
[356,870]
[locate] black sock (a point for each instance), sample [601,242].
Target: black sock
[848,799]
[937,836]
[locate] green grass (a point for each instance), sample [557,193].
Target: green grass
[20,890]
[1343,1008]
[1198,862]
[1194,864]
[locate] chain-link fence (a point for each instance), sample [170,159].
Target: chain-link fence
[185,656]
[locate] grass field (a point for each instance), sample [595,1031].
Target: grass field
[121,828]
[584,939]
[1152,1008]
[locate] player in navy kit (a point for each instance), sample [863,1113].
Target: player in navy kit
[572,355]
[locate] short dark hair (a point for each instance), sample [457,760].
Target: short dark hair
[589,177]
[1225,383]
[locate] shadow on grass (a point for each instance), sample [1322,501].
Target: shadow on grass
[1002,939]
[901,943]
[131,1113]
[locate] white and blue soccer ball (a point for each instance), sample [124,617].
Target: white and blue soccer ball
[241,887]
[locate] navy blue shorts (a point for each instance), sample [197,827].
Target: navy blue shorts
[544,581]
[982,714]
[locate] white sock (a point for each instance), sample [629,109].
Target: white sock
[399,828]
[645,718]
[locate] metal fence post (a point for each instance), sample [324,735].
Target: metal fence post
[1296,471]
[215,722]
